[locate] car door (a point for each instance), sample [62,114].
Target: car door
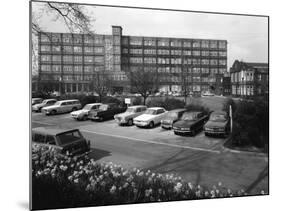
[63,107]
[159,115]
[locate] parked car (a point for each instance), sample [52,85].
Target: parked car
[36,101]
[218,124]
[106,111]
[171,117]
[84,112]
[45,103]
[128,116]
[190,123]
[62,140]
[151,117]
[62,106]
[207,93]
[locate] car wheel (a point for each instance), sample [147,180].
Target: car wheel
[130,122]
[101,119]
[151,124]
[193,132]
[53,112]
[84,118]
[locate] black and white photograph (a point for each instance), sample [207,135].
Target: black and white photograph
[133,105]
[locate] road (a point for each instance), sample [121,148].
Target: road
[200,160]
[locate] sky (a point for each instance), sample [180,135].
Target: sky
[247,36]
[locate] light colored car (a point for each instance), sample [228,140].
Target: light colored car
[62,106]
[36,101]
[84,112]
[207,93]
[128,116]
[45,103]
[151,117]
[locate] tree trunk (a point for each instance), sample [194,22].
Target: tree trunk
[100,98]
[144,100]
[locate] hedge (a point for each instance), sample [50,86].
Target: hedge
[60,181]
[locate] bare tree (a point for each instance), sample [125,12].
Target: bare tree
[101,84]
[143,82]
[184,84]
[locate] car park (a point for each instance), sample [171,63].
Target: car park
[45,103]
[171,117]
[128,116]
[106,111]
[36,101]
[83,113]
[62,140]
[190,123]
[218,124]
[151,117]
[62,106]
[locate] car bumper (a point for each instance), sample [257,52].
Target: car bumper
[166,126]
[121,122]
[94,117]
[46,112]
[35,109]
[210,132]
[182,131]
[141,124]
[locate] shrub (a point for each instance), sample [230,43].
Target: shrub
[196,106]
[137,101]
[167,103]
[59,181]
[109,99]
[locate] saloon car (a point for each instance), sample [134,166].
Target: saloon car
[45,103]
[36,101]
[62,140]
[171,117]
[83,113]
[106,111]
[151,117]
[128,116]
[190,123]
[62,106]
[218,124]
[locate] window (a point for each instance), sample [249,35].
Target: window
[163,61]
[222,53]
[135,41]
[67,38]
[125,41]
[125,50]
[214,70]
[98,40]
[77,69]
[89,59]
[116,40]
[163,52]
[67,77]
[196,53]
[205,70]
[176,43]
[67,49]
[163,42]
[45,68]
[222,62]
[88,69]
[213,44]
[77,40]
[149,42]
[196,61]
[222,44]
[175,52]
[187,61]
[55,38]
[205,44]
[214,62]
[56,68]
[45,38]
[196,79]
[117,59]
[67,59]
[99,59]
[77,49]
[56,48]
[222,70]
[77,59]
[205,62]
[187,53]
[150,60]
[56,58]
[136,60]
[88,49]
[205,53]
[149,51]
[78,77]
[45,48]
[45,58]
[116,50]
[88,40]
[98,50]
[67,68]
[213,53]
[136,51]
[176,61]
[196,44]
[196,70]
[187,44]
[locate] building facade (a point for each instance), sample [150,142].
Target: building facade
[72,60]
[249,79]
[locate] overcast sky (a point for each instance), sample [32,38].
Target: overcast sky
[247,36]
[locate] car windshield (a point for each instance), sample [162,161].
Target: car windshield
[218,117]
[103,107]
[69,137]
[87,107]
[172,115]
[45,101]
[188,116]
[57,103]
[131,110]
[151,111]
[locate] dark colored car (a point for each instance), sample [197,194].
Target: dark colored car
[106,111]
[190,123]
[62,140]
[218,124]
[171,117]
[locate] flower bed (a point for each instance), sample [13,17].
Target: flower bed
[61,181]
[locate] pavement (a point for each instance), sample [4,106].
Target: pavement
[200,160]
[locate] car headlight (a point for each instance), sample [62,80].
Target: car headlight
[185,128]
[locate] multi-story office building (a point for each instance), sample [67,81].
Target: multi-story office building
[73,60]
[249,79]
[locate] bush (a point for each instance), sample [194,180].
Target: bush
[59,181]
[109,99]
[137,101]
[167,103]
[196,106]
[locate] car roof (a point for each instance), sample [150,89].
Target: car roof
[50,99]
[193,112]
[178,110]
[68,100]
[156,108]
[37,98]
[219,112]
[52,130]
[94,104]
[137,106]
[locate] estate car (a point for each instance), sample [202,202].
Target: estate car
[85,111]
[62,140]
[151,117]
[171,117]
[45,103]
[36,101]
[128,116]
[106,111]
[62,106]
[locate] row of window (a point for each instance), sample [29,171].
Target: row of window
[189,79]
[175,52]
[243,90]
[174,43]
[188,61]
[77,49]
[75,59]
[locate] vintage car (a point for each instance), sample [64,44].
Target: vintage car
[62,106]
[171,117]
[84,112]
[190,123]
[128,116]
[36,101]
[151,117]
[62,140]
[106,111]
[45,103]
[218,124]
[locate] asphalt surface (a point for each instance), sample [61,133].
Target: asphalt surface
[200,160]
